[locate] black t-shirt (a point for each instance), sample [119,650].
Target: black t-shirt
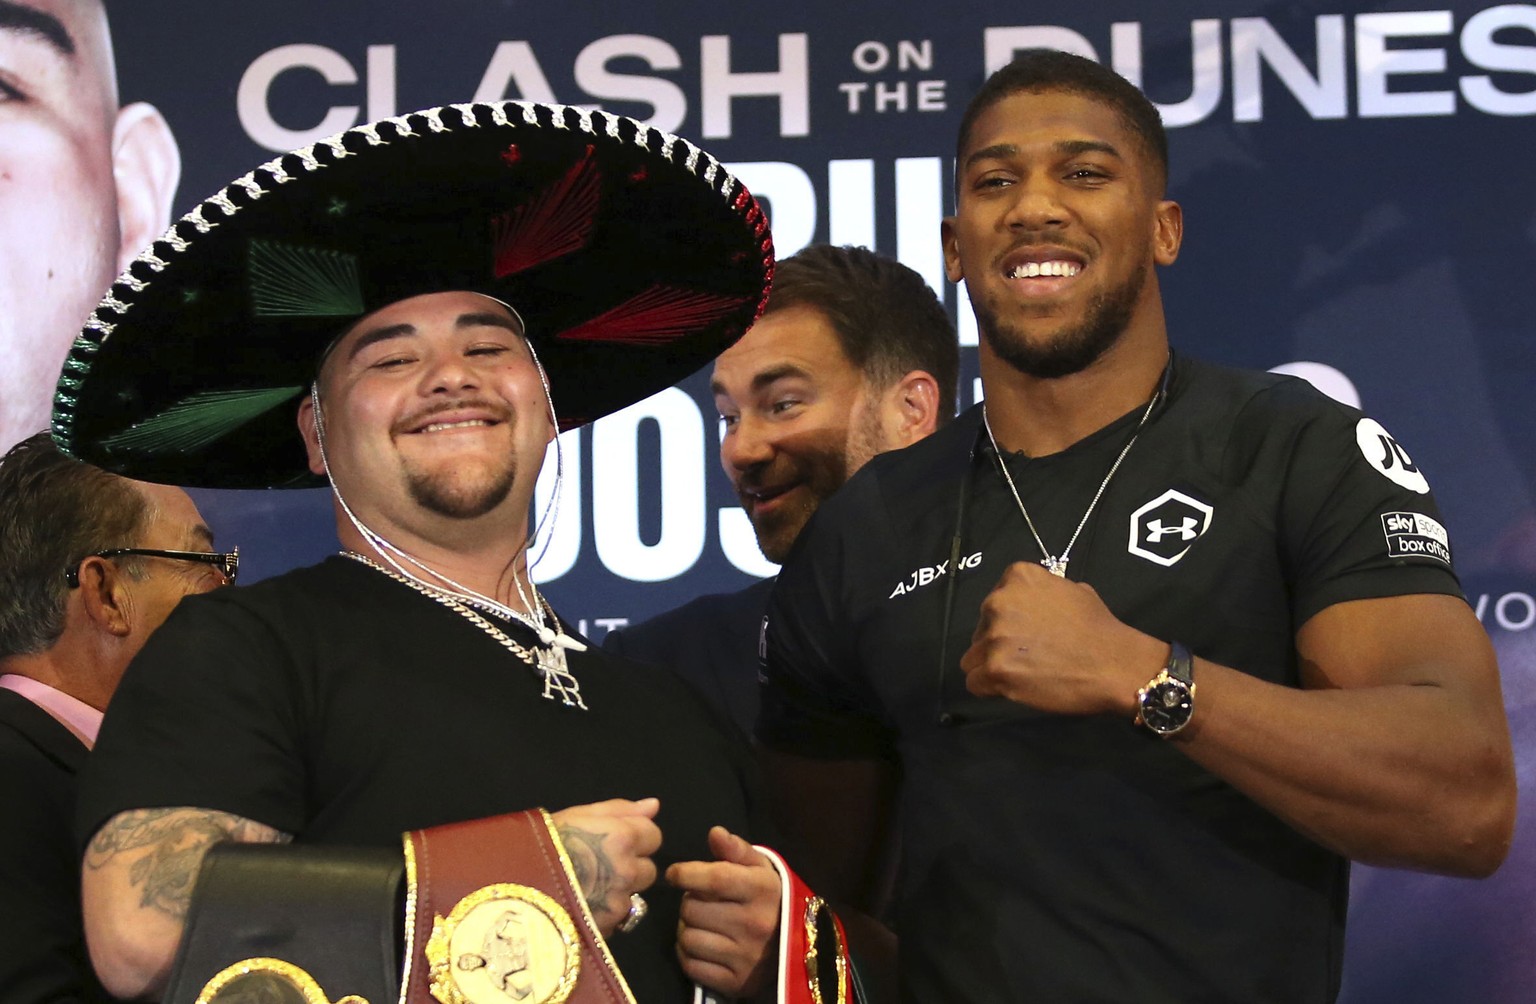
[341,706]
[1084,859]
[713,642]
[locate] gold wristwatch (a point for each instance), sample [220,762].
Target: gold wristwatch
[1166,704]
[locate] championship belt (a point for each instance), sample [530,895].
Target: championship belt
[296,924]
[814,967]
[494,913]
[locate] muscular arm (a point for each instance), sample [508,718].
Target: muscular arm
[1394,751]
[136,884]
[1397,751]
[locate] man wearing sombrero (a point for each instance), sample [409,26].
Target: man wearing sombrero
[398,287]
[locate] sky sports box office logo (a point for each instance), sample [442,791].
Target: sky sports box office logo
[1414,535]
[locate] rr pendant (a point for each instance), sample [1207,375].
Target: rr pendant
[559,683]
[1056,566]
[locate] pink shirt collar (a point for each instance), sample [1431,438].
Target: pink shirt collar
[74,714]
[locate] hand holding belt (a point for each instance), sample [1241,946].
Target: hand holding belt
[493,911]
[813,947]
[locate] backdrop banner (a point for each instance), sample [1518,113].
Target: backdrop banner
[1360,206]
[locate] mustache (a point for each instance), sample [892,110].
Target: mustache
[494,410]
[1041,241]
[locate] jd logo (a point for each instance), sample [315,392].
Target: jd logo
[1389,458]
[1163,530]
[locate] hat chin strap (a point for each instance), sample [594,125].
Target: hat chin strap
[393,555]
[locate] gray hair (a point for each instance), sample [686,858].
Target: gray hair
[54,512]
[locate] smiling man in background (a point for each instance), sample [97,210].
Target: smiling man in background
[853,356]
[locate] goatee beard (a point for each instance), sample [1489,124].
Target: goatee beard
[1070,350]
[447,495]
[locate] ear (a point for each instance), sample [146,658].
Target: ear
[146,166]
[952,270]
[105,596]
[311,434]
[1168,232]
[912,406]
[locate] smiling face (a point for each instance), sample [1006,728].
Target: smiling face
[1058,224]
[799,418]
[432,407]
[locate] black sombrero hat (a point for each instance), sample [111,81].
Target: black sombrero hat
[633,257]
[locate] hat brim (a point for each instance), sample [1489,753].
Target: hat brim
[633,257]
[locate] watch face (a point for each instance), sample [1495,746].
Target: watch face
[1166,707]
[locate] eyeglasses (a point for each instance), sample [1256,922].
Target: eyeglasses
[227,562]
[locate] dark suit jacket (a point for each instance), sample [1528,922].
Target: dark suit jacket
[42,947]
[712,643]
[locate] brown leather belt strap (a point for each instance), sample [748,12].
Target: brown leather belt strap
[494,911]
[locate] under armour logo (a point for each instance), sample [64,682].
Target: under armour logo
[1163,530]
[1157,530]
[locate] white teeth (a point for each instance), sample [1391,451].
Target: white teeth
[1032,269]
[439,426]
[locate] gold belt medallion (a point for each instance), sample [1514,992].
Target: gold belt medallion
[267,980]
[501,943]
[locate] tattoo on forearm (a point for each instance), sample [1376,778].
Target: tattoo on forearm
[594,871]
[173,843]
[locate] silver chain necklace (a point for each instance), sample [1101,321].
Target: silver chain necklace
[1057,564]
[559,683]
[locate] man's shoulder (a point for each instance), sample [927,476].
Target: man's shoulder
[909,480]
[1216,392]
[944,453]
[714,605]
[711,614]
[1245,416]
[36,752]
[320,585]
[28,733]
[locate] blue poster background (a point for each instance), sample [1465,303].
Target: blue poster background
[1358,189]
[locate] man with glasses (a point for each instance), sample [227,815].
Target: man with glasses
[76,603]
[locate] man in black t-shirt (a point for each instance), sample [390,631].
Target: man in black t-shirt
[1150,648]
[418,682]
[853,356]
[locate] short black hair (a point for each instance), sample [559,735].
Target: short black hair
[1037,70]
[54,511]
[889,322]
